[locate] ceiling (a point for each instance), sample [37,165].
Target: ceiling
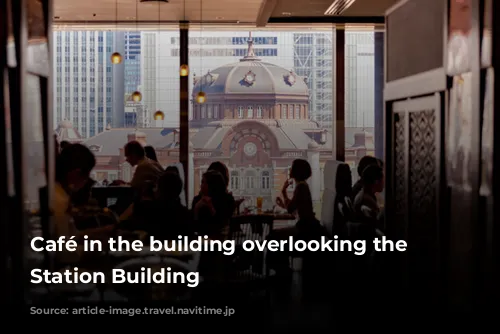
[315,8]
[132,10]
[210,11]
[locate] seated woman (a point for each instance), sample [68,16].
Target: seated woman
[218,166]
[171,217]
[366,207]
[150,153]
[143,209]
[214,207]
[307,227]
[343,187]
[73,167]
[365,161]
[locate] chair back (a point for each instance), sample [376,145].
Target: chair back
[251,265]
[337,180]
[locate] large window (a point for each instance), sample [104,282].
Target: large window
[360,102]
[94,100]
[274,99]
[269,100]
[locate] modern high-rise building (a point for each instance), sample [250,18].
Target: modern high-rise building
[313,60]
[132,61]
[84,87]
[359,79]
[132,79]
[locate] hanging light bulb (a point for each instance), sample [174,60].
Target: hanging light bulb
[184,70]
[159,116]
[201,97]
[136,96]
[116,58]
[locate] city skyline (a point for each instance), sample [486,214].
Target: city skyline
[306,53]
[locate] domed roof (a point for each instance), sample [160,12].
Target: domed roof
[65,125]
[66,132]
[251,76]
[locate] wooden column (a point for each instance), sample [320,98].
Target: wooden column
[17,79]
[184,105]
[4,272]
[339,126]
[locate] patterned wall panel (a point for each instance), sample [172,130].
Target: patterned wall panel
[400,166]
[423,182]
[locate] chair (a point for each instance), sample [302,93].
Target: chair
[342,210]
[367,212]
[248,271]
[348,203]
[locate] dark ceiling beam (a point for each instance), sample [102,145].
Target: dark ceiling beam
[265,12]
[329,19]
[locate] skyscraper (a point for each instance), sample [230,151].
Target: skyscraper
[84,89]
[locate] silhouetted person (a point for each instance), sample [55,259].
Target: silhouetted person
[365,161]
[172,169]
[307,227]
[365,204]
[64,144]
[73,167]
[343,189]
[150,153]
[146,171]
[221,168]
[172,218]
[215,205]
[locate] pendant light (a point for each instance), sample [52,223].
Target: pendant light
[116,57]
[136,96]
[184,69]
[201,97]
[159,116]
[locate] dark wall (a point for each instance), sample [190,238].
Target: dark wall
[433,202]
[379,95]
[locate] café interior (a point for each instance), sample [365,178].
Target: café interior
[435,145]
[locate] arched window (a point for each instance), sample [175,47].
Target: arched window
[284,113]
[250,179]
[235,180]
[196,112]
[240,112]
[250,112]
[266,180]
[209,111]
[216,111]
[297,111]
[259,112]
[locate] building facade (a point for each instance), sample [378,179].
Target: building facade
[255,120]
[84,90]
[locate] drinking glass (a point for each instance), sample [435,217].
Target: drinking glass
[259,204]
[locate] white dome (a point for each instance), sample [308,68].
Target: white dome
[65,125]
[251,76]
